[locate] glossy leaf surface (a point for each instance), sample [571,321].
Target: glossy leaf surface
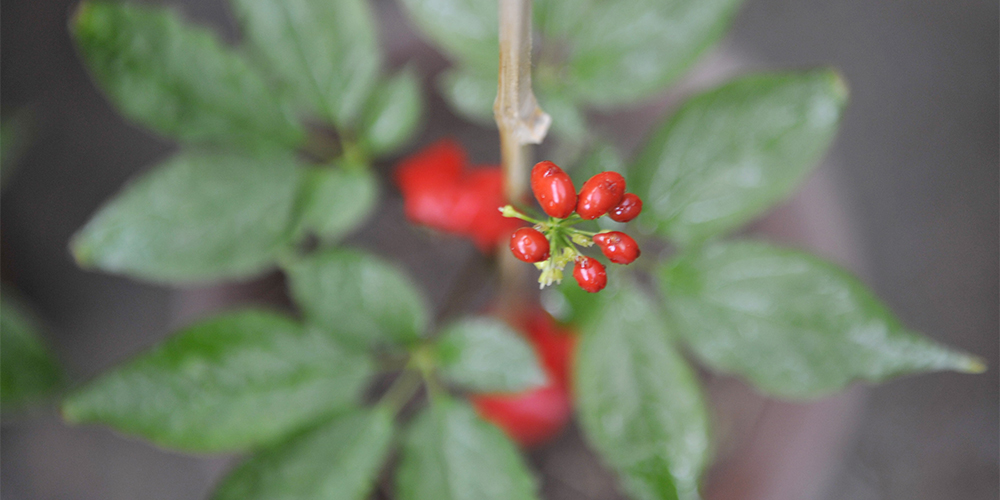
[176,78]
[359,296]
[639,403]
[227,383]
[731,153]
[393,113]
[486,355]
[339,460]
[198,217]
[450,454]
[793,325]
[325,51]
[337,200]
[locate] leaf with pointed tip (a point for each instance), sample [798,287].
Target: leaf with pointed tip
[793,325]
[485,355]
[339,460]
[639,403]
[28,371]
[326,51]
[231,382]
[178,79]
[731,153]
[392,115]
[359,296]
[198,217]
[335,201]
[451,454]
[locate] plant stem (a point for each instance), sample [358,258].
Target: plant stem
[521,122]
[401,390]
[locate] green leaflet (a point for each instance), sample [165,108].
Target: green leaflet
[485,355]
[337,200]
[470,93]
[325,51]
[793,325]
[450,454]
[359,296]
[622,52]
[392,114]
[231,382]
[178,79]
[639,403]
[28,371]
[198,217]
[339,460]
[729,154]
[467,30]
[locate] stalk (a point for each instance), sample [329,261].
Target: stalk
[521,122]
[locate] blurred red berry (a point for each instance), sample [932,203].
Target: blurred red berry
[535,416]
[628,209]
[530,418]
[529,245]
[599,194]
[553,189]
[617,246]
[441,193]
[590,274]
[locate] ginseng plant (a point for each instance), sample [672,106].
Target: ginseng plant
[277,140]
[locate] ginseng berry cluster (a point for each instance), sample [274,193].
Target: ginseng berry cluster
[552,244]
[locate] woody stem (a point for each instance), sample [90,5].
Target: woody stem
[521,122]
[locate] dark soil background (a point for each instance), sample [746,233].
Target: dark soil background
[916,164]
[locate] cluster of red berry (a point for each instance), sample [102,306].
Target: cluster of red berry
[440,191]
[551,245]
[537,415]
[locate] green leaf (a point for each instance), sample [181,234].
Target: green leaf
[339,460]
[393,113]
[450,454]
[470,93]
[621,52]
[326,51]
[28,371]
[731,153]
[795,326]
[568,121]
[178,79]
[198,217]
[467,30]
[359,296]
[227,383]
[486,355]
[337,200]
[639,403]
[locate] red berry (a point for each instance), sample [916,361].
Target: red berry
[440,192]
[553,189]
[599,194]
[590,274]
[627,210]
[617,246]
[553,344]
[535,416]
[529,245]
[531,417]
